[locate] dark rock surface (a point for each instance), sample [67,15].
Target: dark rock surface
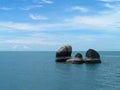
[77,60]
[92,56]
[79,55]
[63,53]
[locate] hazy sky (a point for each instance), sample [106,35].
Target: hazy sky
[48,24]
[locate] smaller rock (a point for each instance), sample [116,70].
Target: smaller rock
[79,55]
[77,60]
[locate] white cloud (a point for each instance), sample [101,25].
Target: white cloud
[37,17]
[31,7]
[109,5]
[113,7]
[47,1]
[29,41]
[6,8]
[88,21]
[79,8]
[103,21]
[15,26]
[20,47]
[33,41]
[109,0]
[106,21]
[36,41]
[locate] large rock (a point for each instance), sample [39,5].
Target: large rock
[63,53]
[92,56]
[77,60]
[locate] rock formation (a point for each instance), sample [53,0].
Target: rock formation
[77,60]
[92,56]
[63,53]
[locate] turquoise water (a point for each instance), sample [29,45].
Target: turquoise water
[38,71]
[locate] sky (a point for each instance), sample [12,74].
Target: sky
[46,25]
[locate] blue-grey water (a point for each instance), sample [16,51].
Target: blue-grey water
[38,71]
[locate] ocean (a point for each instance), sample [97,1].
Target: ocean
[34,70]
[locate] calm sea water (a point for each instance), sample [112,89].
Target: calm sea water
[38,71]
